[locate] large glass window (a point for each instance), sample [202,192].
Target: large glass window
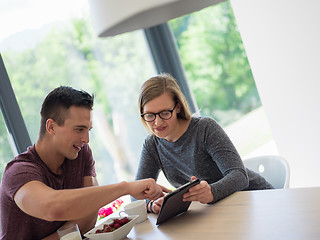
[66,51]
[7,147]
[220,77]
[45,44]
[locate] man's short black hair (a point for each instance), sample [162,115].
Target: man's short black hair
[58,101]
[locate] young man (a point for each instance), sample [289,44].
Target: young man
[54,181]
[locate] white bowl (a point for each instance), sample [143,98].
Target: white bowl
[118,234]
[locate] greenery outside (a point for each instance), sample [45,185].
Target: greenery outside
[216,64]
[114,68]
[111,69]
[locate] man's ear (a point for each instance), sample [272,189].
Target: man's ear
[50,126]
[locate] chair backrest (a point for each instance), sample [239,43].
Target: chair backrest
[275,169]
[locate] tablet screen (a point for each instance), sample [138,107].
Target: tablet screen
[172,203]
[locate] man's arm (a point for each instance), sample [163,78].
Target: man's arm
[41,201]
[85,224]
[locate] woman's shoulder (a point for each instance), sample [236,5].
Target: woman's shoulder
[151,140]
[203,121]
[205,126]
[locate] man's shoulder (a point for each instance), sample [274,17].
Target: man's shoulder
[22,169]
[21,165]
[86,148]
[85,152]
[29,154]
[28,159]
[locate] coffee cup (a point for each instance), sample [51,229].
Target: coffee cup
[136,208]
[69,231]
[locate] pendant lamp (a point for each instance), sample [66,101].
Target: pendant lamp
[112,17]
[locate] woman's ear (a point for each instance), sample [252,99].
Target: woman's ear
[178,107]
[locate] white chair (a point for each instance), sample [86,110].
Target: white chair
[275,169]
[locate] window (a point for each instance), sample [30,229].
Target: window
[7,148]
[66,51]
[220,77]
[59,47]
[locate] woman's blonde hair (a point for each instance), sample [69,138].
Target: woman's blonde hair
[158,85]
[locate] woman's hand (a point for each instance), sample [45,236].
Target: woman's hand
[156,206]
[201,193]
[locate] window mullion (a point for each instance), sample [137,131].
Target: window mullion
[11,112]
[166,58]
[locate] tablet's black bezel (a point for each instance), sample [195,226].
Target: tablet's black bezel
[172,203]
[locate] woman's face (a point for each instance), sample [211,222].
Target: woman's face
[163,128]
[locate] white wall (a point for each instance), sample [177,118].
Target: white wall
[282,41]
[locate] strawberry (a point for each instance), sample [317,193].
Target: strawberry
[117,225]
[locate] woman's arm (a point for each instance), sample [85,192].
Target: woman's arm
[226,157]
[149,162]
[148,166]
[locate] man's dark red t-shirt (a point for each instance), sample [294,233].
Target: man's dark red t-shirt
[26,167]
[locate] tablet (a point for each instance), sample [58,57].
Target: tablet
[172,203]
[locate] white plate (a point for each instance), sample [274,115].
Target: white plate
[118,234]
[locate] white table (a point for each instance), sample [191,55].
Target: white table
[286,214]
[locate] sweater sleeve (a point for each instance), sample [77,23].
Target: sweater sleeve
[149,161]
[227,159]
[148,165]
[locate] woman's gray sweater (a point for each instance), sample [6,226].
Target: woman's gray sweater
[204,151]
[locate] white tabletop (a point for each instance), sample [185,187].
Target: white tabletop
[286,214]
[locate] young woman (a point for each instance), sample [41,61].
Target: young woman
[186,147]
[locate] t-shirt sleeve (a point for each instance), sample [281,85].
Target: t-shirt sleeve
[89,169]
[18,175]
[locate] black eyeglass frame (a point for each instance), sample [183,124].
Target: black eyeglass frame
[159,114]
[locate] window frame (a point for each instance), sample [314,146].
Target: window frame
[11,112]
[164,51]
[165,56]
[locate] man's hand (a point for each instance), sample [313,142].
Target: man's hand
[201,192]
[146,188]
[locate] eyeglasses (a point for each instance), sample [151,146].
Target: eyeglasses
[165,115]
